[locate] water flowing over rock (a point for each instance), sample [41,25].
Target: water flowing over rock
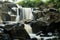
[26,14]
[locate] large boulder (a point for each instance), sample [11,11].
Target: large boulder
[38,26]
[18,32]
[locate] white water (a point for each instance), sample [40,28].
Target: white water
[26,14]
[28,28]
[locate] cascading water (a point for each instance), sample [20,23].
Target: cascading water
[26,14]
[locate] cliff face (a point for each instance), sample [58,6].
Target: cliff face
[6,7]
[48,16]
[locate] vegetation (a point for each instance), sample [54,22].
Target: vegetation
[35,3]
[29,3]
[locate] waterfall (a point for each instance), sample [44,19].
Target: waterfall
[26,14]
[28,28]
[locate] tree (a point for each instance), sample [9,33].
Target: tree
[35,3]
[29,3]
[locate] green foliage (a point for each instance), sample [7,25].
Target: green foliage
[55,2]
[35,3]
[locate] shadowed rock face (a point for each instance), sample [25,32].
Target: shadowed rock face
[6,7]
[33,39]
[53,27]
[41,26]
[51,17]
[38,26]
[19,32]
[6,17]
